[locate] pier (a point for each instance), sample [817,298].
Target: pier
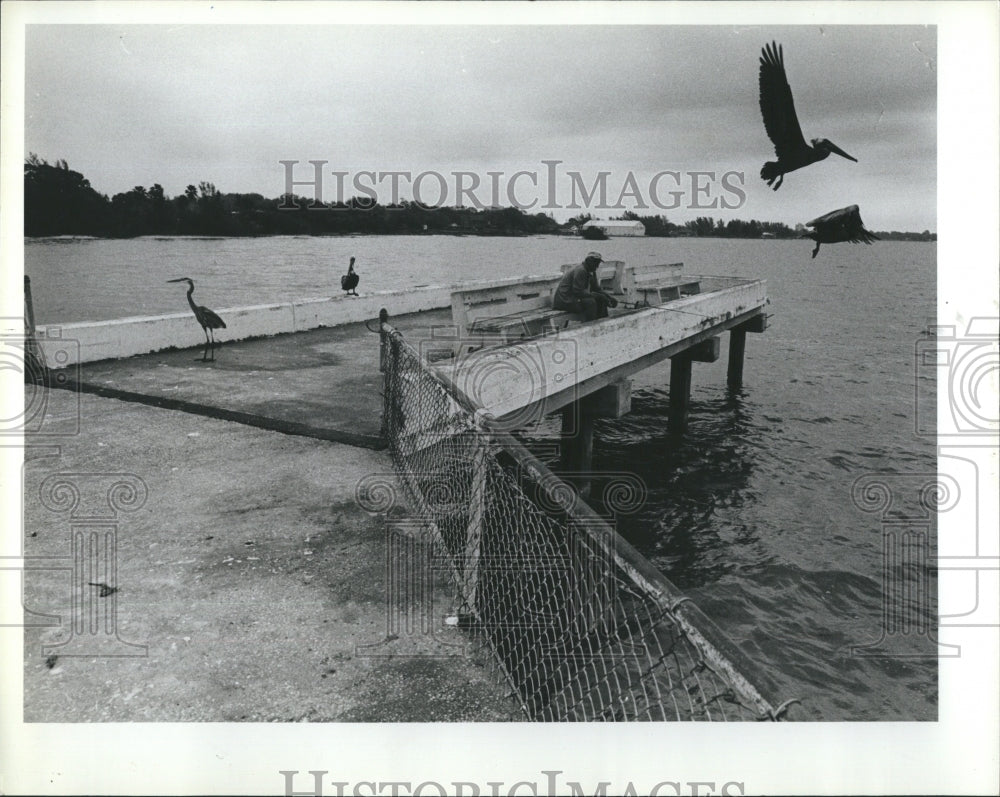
[614,639]
[584,370]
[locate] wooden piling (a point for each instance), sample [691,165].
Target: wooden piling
[737,346]
[680,390]
[34,357]
[576,454]
[680,378]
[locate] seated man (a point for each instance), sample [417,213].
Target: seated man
[578,291]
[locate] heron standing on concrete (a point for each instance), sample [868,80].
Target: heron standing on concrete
[208,319]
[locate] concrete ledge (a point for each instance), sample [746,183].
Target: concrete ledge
[91,341]
[337,310]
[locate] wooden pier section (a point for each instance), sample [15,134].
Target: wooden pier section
[517,370]
[538,375]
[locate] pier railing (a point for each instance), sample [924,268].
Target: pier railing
[580,624]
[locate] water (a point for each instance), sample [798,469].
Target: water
[750,509]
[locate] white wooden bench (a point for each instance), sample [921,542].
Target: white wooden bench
[654,284]
[610,275]
[497,315]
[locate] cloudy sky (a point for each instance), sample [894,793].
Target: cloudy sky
[131,105]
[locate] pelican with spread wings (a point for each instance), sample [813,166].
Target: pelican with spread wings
[782,125]
[840,226]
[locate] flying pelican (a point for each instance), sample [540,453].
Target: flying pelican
[350,280]
[207,318]
[782,125]
[839,226]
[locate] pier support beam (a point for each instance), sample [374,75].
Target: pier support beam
[576,453]
[737,347]
[680,378]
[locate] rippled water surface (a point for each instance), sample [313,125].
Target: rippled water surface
[750,509]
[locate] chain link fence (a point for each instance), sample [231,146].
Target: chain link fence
[581,626]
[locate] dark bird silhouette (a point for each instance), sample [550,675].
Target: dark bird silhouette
[782,125]
[208,319]
[350,280]
[105,590]
[839,226]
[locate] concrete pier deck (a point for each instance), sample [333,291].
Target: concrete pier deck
[324,383]
[250,584]
[249,576]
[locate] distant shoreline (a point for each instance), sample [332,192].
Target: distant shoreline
[914,237]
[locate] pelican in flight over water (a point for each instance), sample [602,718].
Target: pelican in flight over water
[208,319]
[840,226]
[350,280]
[782,125]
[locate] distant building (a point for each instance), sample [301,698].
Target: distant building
[618,228]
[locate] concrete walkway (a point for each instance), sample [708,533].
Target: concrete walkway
[254,581]
[324,383]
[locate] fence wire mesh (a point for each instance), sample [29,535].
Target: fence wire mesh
[578,633]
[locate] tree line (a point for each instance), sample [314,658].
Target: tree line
[61,201]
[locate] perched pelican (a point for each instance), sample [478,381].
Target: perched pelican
[350,280]
[782,125]
[839,226]
[208,319]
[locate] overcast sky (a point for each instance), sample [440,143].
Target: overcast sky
[136,105]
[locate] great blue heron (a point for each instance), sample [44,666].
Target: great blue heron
[782,125]
[208,319]
[839,226]
[350,280]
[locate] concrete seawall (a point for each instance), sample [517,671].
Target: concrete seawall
[91,341]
